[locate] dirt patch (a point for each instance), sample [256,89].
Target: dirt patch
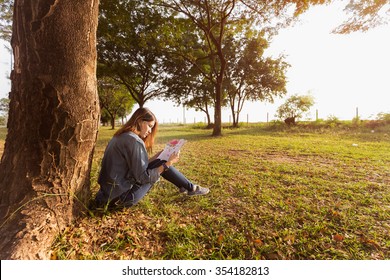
[299,159]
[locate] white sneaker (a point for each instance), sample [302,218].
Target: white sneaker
[198,190]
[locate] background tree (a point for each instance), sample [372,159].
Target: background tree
[105,118]
[212,19]
[129,49]
[4,108]
[114,99]
[249,76]
[123,112]
[187,69]
[52,126]
[6,7]
[201,98]
[294,108]
[365,14]
[190,89]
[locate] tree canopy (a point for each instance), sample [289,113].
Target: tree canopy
[364,15]
[294,108]
[213,20]
[115,100]
[129,48]
[249,75]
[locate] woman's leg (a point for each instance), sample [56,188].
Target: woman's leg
[173,175]
[178,179]
[134,195]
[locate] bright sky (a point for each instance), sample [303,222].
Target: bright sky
[342,72]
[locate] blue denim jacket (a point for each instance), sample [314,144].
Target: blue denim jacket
[125,164]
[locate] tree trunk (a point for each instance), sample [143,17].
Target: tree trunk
[217,130]
[235,119]
[206,111]
[231,100]
[234,116]
[113,117]
[208,119]
[53,122]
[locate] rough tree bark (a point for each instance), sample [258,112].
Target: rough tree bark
[53,122]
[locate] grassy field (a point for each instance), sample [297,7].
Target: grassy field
[275,194]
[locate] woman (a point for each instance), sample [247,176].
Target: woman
[127,174]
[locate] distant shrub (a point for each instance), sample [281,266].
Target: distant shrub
[373,124]
[356,121]
[384,117]
[332,121]
[381,120]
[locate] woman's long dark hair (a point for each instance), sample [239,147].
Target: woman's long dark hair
[141,114]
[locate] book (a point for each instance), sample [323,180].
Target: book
[171,147]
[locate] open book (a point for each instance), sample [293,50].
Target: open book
[172,146]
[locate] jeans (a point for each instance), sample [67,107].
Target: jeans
[136,193]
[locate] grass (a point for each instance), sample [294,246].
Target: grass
[300,193]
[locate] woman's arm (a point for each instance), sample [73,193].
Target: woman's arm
[137,161]
[172,159]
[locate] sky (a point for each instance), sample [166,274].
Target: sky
[344,73]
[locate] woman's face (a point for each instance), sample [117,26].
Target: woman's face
[146,128]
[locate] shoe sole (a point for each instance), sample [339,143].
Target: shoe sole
[192,194]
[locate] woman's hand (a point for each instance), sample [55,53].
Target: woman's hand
[174,158]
